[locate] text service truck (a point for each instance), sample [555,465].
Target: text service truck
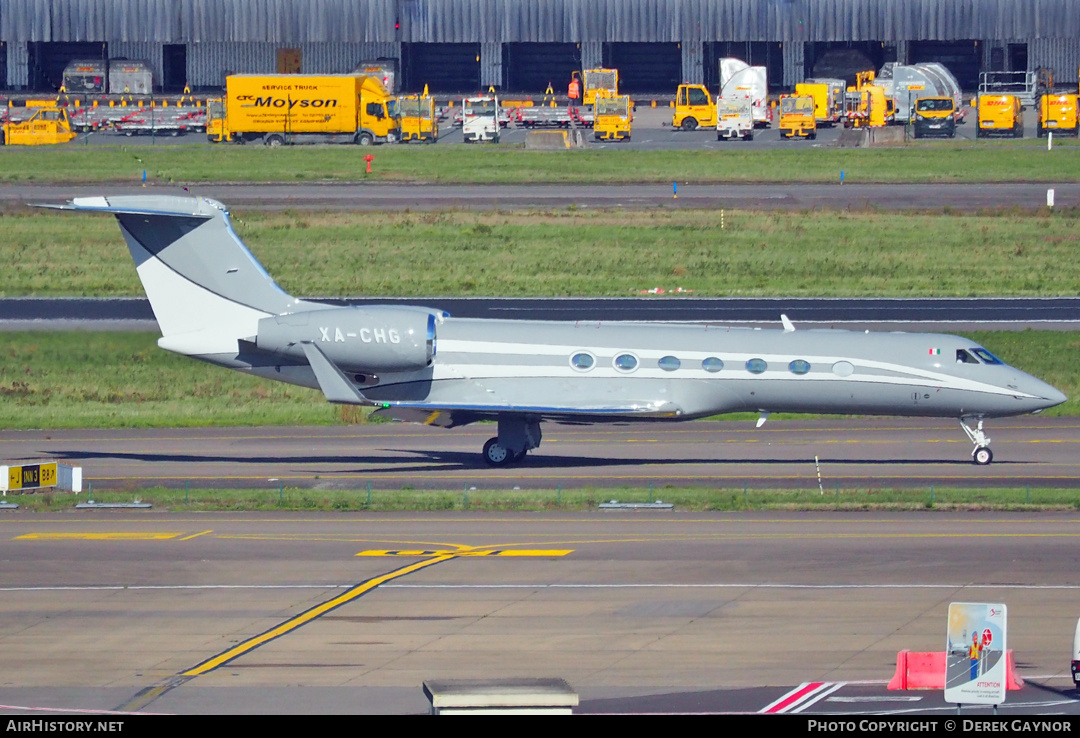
[282,109]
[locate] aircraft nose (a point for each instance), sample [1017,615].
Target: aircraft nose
[1046,395]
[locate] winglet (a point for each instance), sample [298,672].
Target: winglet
[762,418]
[789,327]
[333,383]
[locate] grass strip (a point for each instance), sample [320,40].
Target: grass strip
[122,380]
[684,499]
[571,252]
[952,161]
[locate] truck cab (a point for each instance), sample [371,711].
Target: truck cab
[1001,115]
[734,118]
[216,128]
[49,125]
[797,119]
[934,116]
[378,120]
[694,108]
[599,81]
[418,119]
[612,117]
[480,119]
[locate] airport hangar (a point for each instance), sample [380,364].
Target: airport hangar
[522,45]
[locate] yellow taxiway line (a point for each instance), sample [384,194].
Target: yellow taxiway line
[306,617]
[502,552]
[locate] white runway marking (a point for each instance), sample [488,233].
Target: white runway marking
[540,585]
[801,697]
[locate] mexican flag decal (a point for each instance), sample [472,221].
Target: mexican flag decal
[935,352]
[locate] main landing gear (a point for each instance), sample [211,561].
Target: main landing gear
[982,455]
[517,437]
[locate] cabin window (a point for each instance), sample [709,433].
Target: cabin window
[625,362]
[986,356]
[696,96]
[843,369]
[799,366]
[756,366]
[963,357]
[669,363]
[712,364]
[582,361]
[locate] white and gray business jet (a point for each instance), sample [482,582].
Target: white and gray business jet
[213,301]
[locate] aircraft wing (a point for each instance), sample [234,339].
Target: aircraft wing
[451,416]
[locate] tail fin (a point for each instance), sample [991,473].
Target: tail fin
[206,289]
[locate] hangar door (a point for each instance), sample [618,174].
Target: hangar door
[959,57]
[645,67]
[48,59]
[766,54]
[531,67]
[442,67]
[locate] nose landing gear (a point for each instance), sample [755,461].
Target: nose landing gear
[982,455]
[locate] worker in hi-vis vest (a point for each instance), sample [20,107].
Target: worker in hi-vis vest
[574,90]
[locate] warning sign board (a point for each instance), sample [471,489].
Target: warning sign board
[975,654]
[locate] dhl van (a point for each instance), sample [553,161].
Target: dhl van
[1058,113]
[934,116]
[1000,115]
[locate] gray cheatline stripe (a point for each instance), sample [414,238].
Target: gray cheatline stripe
[717,585]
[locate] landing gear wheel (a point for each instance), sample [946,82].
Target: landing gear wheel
[496,455]
[982,455]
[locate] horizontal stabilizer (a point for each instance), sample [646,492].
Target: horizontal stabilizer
[138,205]
[333,383]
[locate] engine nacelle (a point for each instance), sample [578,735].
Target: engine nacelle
[356,339]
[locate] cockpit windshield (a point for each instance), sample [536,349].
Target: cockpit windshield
[936,104]
[986,356]
[976,355]
[482,107]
